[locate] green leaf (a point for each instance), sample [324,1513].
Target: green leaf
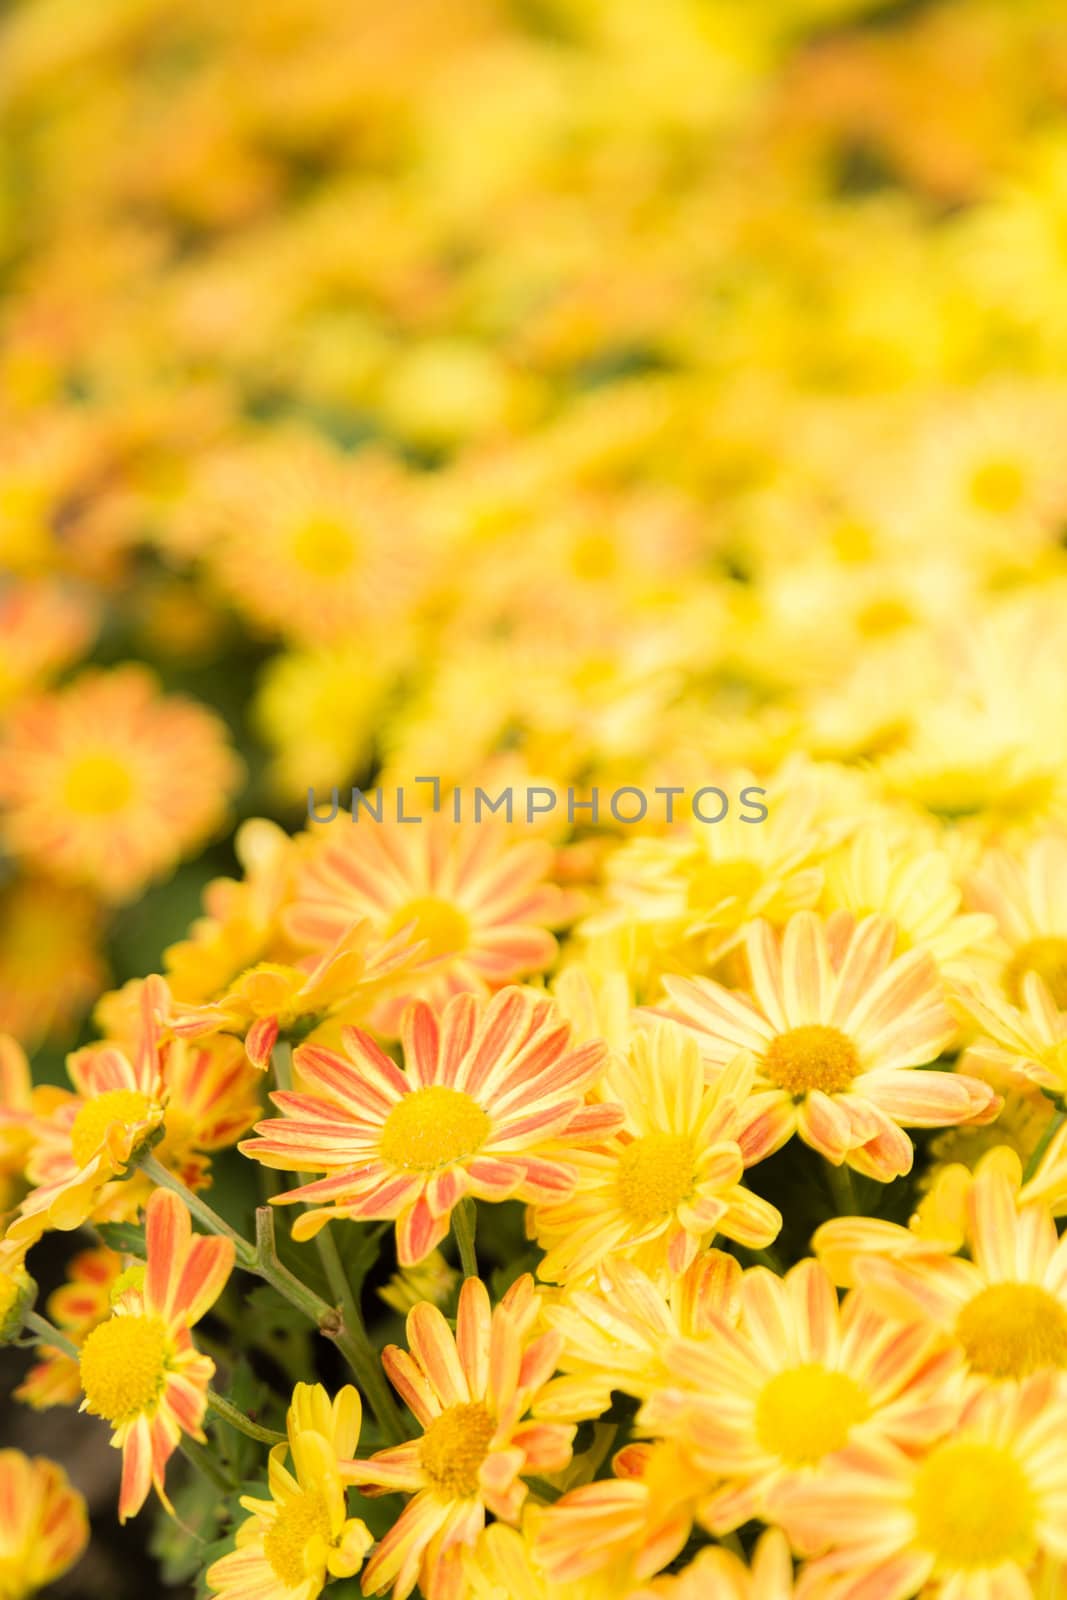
[126,1237]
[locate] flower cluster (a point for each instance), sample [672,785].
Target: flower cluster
[554,401]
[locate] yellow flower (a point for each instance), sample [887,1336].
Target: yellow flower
[669,1181]
[44,1526]
[295,1542]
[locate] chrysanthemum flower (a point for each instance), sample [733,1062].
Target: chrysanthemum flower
[470,1391]
[44,1526]
[1006,1307]
[20,1105]
[295,1542]
[1027,896]
[140,1369]
[1030,1038]
[670,1179]
[626,1527]
[51,962]
[722,1575]
[837,1024]
[308,540]
[482,1094]
[75,1308]
[501,1566]
[796,1381]
[42,629]
[85,1140]
[273,997]
[478,898]
[616,1335]
[108,783]
[968,1517]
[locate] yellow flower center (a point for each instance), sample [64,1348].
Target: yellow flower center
[98,1115]
[655,1175]
[97,784]
[813,1056]
[1013,1329]
[299,1520]
[454,1447]
[997,485]
[324,546]
[432,1128]
[124,1366]
[973,1506]
[1047,957]
[808,1412]
[444,928]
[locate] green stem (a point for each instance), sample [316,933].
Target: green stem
[237,1419]
[246,1255]
[1055,1123]
[355,1343]
[464,1222]
[205,1463]
[844,1195]
[49,1335]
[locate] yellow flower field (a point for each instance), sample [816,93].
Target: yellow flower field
[533,799]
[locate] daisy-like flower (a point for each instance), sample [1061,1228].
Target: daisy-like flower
[44,1525]
[968,1517]
[86,1140]
[796,1381]
[670,1179]
[616,1335]
[471,1391]
[76,1308]
[837,1024]
[502,1567]
[721,1574]
[476,897]
[140,1369]
[483,1092]
[108,783]
[272,998]
[1030,1038]
[42,629]
[51,962]
[1027,896]
[1006,1307]
[295,1542]
[626,1527]
[20,1106]
[308,540]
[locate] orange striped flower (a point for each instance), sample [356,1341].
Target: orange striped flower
[722,1575]
[796,1381]
[471,1391]
[483,1092]
[1005,1307]
[108,783]
[140,1369]
[43,1524]
[478,899]
[969,1519]
[837,1025]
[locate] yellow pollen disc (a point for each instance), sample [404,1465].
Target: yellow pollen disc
[808,1412]
[974,1507]
[299,1520]
[1048,958]
[431,1128]
[453,1449]
[655,1175]
[1012,1330]
[101,1113]
[97,784]
[997,486]
[812,1057]
[124,1366]
[444,928]
[324,546]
